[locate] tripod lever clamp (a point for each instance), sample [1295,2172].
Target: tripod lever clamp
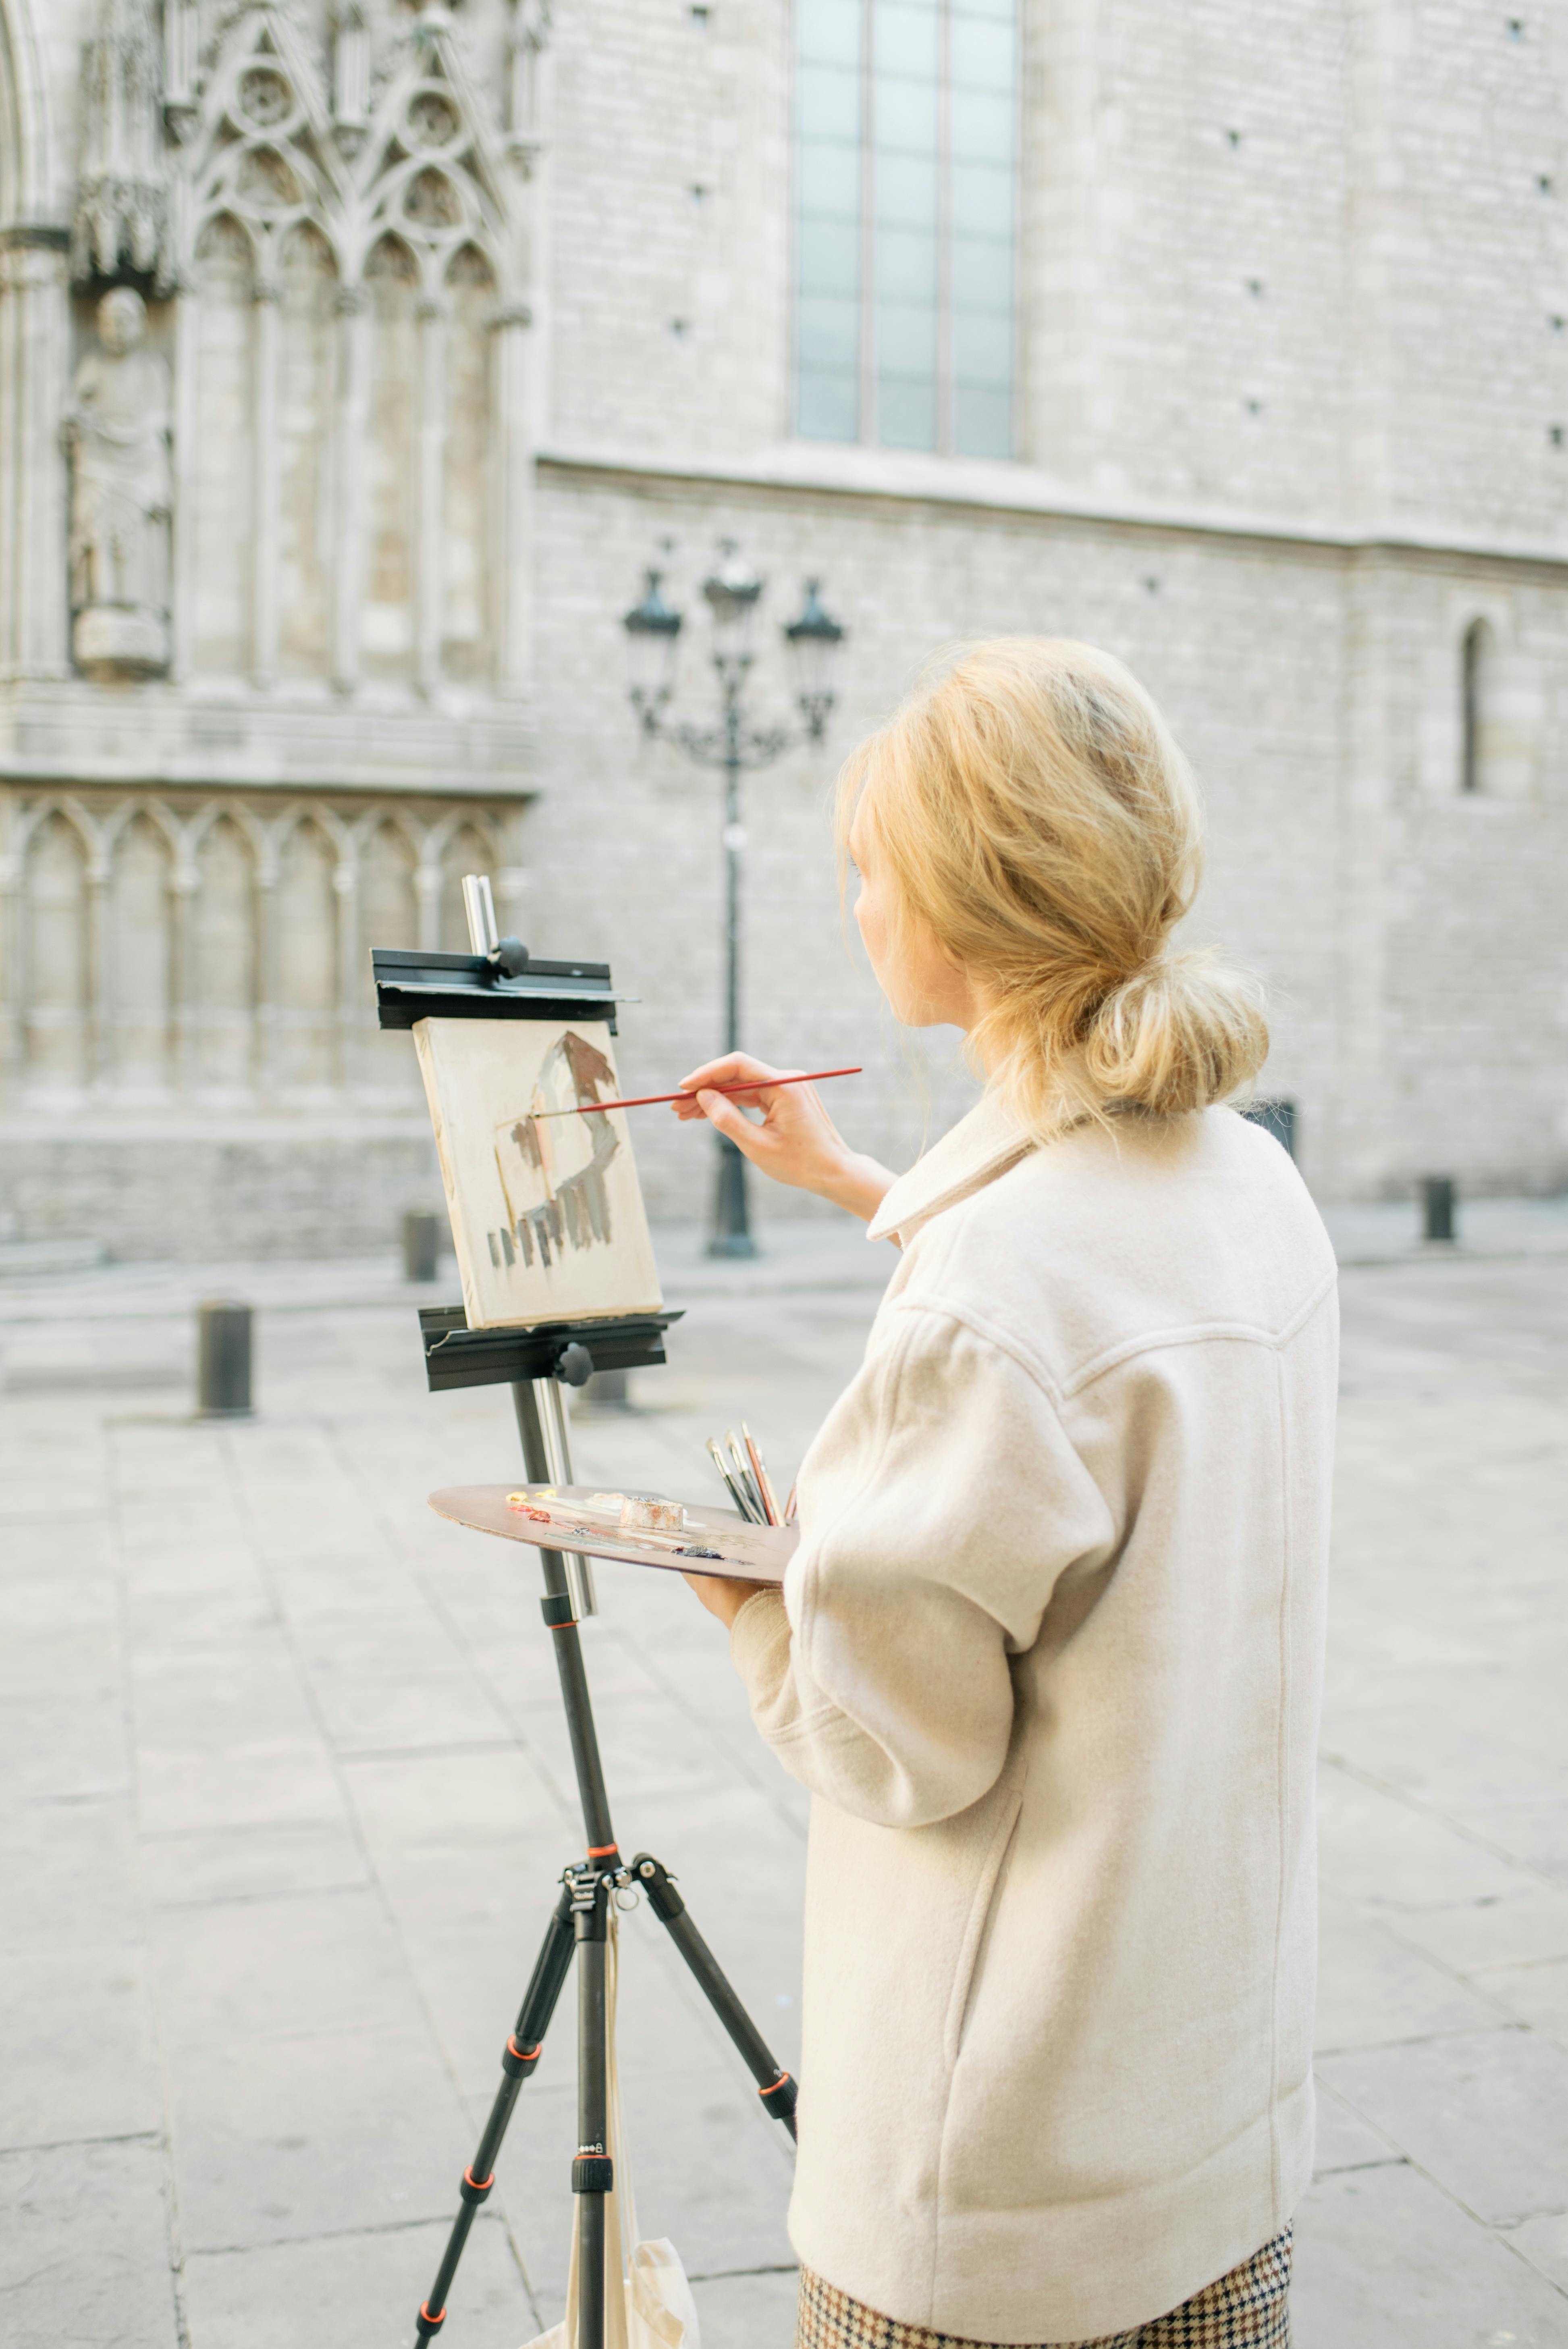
[583,1882]
[655,1878]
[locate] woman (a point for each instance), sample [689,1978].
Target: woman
[1047,1656]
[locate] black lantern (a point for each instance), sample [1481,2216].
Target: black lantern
[652,629]
[813,640]
[732,593]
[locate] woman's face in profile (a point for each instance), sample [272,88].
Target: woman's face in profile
[924,987]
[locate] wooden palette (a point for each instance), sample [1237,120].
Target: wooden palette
[566,1519]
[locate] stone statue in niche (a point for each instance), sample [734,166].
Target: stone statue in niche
[117,433]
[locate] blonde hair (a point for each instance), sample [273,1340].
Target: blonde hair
[1040,823]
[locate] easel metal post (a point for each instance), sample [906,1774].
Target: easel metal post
[408,987]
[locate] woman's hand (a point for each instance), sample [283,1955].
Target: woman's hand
[797,1141]
[721,1595]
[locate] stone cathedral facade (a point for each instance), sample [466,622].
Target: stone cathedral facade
[356,358]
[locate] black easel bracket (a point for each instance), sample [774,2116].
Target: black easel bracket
[457,1356]
[413,984]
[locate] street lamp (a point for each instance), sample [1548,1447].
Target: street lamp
[732,593]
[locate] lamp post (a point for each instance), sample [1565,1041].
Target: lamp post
[732,594]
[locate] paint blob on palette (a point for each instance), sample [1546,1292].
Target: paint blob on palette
[547,1212]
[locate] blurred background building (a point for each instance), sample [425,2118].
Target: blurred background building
[356,359]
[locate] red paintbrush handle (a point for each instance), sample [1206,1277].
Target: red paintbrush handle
[748,1085]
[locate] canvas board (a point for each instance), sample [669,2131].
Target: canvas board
[547,1212]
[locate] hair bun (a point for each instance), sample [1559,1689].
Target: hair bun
[1184,1029]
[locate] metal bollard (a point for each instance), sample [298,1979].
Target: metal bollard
[222,1359]
[1438,1208]
[421,1244]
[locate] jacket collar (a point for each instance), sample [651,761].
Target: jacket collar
[972,1154]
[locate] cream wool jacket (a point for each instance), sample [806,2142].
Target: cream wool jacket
[1049,1658]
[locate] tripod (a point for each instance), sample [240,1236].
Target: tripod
[579,1925]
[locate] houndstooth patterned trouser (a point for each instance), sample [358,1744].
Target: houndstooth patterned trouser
[1248,2309]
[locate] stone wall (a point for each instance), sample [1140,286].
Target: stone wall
[449,327]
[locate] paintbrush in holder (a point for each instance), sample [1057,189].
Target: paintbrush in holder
[744,1474]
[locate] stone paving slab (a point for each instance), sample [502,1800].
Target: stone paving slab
[284,1791]
[85,2250]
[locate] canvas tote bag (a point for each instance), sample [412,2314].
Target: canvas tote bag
[655,2310]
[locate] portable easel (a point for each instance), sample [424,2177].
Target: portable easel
[500,981]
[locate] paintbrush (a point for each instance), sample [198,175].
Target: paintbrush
[741,1498]
[749,1483]
[645,1100]
[764,1481]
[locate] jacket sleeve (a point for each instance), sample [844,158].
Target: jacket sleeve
[939,1507]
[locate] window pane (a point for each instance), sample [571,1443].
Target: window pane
[906,415]
[828,181]
[828,406]
[906,339]
[903,116]
[828,333]
[827,104]
[980,54]
[983,348]
[905,190]
[829,31]
[906,39]
[830,258]
[936,163]
[981,422]
[906,266]
[982,201]
[981,273]
[982,127]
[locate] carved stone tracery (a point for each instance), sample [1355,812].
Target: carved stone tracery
[372,185]
[122,198]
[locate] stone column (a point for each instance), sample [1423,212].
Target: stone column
[428,580]
[514,502]
[184,1003]
[427,889]
[266,1035]
[34,309]
[345,881]
[100,1053]
[182,547]
[351,421]
[264,496]
[11,878]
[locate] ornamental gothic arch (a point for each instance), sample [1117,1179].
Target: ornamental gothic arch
[342,291]
[265,475]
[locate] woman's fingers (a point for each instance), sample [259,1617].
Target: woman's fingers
[720,1596]
[795,1141]
[720,1111]
[743,1079]
[733,1069]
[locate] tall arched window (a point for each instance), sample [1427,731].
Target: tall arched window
[1478,664]
[905,169]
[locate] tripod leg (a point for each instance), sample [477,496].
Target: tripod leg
[774,2085]
[592,2172]
[521,2054]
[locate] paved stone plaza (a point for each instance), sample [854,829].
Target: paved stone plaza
[286,1793]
